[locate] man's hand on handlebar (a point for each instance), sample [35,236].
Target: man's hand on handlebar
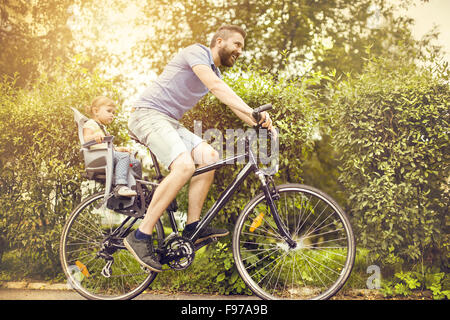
[263,119]
[266,122]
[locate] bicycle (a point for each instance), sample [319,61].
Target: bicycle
[290,241]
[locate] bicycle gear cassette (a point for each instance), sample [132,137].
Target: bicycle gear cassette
[179,253]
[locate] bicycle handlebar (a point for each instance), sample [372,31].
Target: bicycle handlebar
[257,112]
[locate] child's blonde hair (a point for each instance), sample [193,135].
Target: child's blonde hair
[97,102]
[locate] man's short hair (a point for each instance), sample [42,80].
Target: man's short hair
[225,31]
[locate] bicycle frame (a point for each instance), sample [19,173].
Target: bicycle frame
[250,167]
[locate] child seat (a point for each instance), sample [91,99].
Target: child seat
[98,164]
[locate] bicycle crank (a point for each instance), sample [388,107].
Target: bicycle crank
[178,253]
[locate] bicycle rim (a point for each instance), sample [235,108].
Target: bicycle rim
[95,268]
[320,263]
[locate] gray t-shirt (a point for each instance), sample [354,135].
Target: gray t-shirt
[178,89]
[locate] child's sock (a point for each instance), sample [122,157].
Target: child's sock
[141,236]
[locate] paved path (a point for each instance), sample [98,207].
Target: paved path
[44,294]
[60,291]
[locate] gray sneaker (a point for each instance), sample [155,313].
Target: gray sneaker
[143,251]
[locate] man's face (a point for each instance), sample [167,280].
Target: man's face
[230,49]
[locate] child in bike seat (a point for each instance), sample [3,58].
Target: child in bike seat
[102,110]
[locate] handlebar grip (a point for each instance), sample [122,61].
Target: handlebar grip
[256,112]
[265,107]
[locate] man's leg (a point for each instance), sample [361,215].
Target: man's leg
[203,155]
[139,243]
[181,171]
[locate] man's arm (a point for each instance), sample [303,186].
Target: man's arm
[224,93]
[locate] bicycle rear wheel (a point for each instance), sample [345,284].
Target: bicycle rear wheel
[93,257]
[320,263]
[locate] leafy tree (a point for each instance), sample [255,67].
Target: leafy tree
[279,31]
[34,36]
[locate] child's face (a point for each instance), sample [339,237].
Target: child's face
[105,114]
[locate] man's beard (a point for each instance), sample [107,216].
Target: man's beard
[226,57]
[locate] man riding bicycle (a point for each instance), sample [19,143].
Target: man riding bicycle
[189,76]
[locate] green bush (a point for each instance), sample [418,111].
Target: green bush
[405,283]
[391,129]
[40,164]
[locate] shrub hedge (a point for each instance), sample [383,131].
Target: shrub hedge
[391,127]
[40,164]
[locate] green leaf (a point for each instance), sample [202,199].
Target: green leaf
[220,277]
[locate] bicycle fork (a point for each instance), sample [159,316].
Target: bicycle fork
[271,195]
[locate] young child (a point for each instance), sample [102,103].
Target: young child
[102,110]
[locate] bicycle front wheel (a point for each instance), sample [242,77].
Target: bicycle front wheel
[320,263]
[93,257]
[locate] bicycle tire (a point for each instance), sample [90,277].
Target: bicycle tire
[316,268]
[80,243]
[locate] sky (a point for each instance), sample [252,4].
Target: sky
[426,15]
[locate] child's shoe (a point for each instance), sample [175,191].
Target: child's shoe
[124,191]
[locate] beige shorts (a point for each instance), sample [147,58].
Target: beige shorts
[163,135]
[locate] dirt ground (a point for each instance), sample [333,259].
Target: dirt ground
[35,289]
[366,294]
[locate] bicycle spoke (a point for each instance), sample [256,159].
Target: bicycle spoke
[315,267]
[104,270]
